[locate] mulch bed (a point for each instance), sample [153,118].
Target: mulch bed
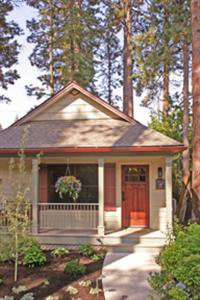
[34,278]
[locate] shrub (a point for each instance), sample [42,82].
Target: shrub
[71,290]
[34,256]
[97,257]
[74,269]
[19,289]
[28,296]
[180,262]
[86,250]
[60,252]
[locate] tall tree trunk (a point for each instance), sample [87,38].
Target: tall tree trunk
[195,11]
[186,153]
[51,62]
[166,89]
[166,63]
[182,205]
[128,61]
[109,74]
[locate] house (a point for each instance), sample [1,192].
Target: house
[125,168]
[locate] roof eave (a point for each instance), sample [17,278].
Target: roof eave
[173,149]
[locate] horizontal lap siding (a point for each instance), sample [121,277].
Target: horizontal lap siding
[43,184]
[110,187]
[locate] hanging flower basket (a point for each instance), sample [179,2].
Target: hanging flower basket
[68,185]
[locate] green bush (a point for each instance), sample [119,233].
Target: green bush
[34,256]
[60,252]
[74,269]
[86,250]
[180,263]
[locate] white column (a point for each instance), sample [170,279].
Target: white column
[168,190]
[35,195]
[101,228]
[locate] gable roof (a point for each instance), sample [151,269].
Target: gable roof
[115,134]
[66,90]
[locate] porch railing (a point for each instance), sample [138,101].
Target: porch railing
[68,215]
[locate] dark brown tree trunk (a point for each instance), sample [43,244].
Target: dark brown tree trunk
[195,11]
[51,62]
[182,205]
[109,75]
[186,153]
[128,61]
[166,63]
[166,89]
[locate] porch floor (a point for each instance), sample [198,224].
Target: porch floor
[126,232]
[124,240]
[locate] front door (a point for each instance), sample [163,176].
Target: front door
[135,196]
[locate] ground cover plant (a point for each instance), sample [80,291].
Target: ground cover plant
[179,278]
[69,276]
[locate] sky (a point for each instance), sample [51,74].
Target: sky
[21,103]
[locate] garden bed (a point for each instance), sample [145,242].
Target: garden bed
[50,279]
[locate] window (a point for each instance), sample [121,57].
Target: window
[87,174]
[135,174]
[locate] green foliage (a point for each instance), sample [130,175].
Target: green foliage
[8,298]
[1,281]
[46,282]
[6,251]
[28,296]
[34,256]
[180,262]
[60,252]
[172,126]
[9,47]
[64,36]
[95,291]
[69,185]
[17,204]
[19,289]
[86,250]
[97,257]
[72,290]
[85,283]
[74,269]
[177,294]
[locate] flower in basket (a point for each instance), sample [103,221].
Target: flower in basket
[68,185]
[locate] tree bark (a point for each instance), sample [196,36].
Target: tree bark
[195,11]
[166,89]
[128,61]
[166,63]
[51,62]
[186,153]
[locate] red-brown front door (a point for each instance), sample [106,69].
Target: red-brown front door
[135,196]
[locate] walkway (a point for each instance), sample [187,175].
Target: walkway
[125,275]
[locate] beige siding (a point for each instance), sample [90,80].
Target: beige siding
[73,107]
[113,219]
[5,185]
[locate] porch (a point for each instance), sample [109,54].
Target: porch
[102,212]
[106,202]
[125,240]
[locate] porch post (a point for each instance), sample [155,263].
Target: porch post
[101,229]
[168,190]
[35,195]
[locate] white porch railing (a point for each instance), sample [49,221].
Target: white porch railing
[68,215]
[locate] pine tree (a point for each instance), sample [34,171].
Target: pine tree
[109,56]
[158,49]
[65,37]
[9,47]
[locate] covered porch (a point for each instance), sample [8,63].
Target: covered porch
[99,211]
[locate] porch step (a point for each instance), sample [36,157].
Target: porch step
[128,248]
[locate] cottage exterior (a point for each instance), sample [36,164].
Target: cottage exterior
[125,168]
